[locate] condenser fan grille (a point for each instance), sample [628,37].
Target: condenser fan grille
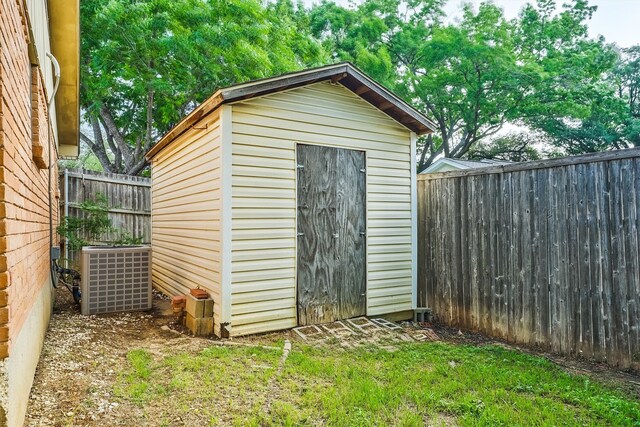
[115,279]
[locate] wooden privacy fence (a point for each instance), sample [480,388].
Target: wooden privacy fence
[128,198]
[542,253]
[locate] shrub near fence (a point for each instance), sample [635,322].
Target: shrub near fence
[128,198]
[540,253]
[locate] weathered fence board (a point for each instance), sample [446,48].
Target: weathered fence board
[128,198]
[541,253]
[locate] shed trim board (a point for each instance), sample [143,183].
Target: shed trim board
[414,223]
[258,247]
[366,219]
[226,116]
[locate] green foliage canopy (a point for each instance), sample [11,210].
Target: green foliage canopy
[146,63]
[540,69]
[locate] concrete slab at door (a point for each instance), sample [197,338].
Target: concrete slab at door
[331,234]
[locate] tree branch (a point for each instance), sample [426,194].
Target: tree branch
[112,129]
[149,134]
[138,167]
[428,144]
[99,152]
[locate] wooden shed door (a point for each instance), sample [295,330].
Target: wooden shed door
[331,234]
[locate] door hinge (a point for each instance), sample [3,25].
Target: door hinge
[363,170]
[299,166]
[363,233]
[300,234]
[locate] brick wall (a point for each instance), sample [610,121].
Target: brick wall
[24,205]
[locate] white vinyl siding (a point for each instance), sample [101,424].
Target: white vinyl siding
[185,223]
[265,132]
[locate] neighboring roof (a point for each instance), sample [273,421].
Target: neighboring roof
[345,73]
[64,24]
[448,164]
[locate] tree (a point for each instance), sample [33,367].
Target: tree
[473,76]
[86,160]
[147,63]
[362,35]
[465,76]
[513,147]
[627,82]
[613,120]
[576,107]
[469,81]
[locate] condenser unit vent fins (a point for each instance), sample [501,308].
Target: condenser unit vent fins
[115,279]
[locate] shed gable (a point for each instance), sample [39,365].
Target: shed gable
[334,104]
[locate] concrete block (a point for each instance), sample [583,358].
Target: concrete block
[195,307]
[386,324]
[310,331]
[363,324]
[199,308]
[208,308]
[199,326]
[422,314]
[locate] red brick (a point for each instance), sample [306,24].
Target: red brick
[178,300]
[24,222]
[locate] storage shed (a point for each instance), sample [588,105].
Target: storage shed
[292,200]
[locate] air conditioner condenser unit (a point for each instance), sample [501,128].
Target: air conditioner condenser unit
[115,279]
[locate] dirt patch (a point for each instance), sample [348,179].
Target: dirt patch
[83,354]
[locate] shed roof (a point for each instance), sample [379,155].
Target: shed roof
[344,73]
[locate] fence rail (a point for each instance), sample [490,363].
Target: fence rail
[541,253]
[128,198]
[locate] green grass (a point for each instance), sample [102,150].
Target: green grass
[420,383]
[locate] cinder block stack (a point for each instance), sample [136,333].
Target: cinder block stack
[199,316]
